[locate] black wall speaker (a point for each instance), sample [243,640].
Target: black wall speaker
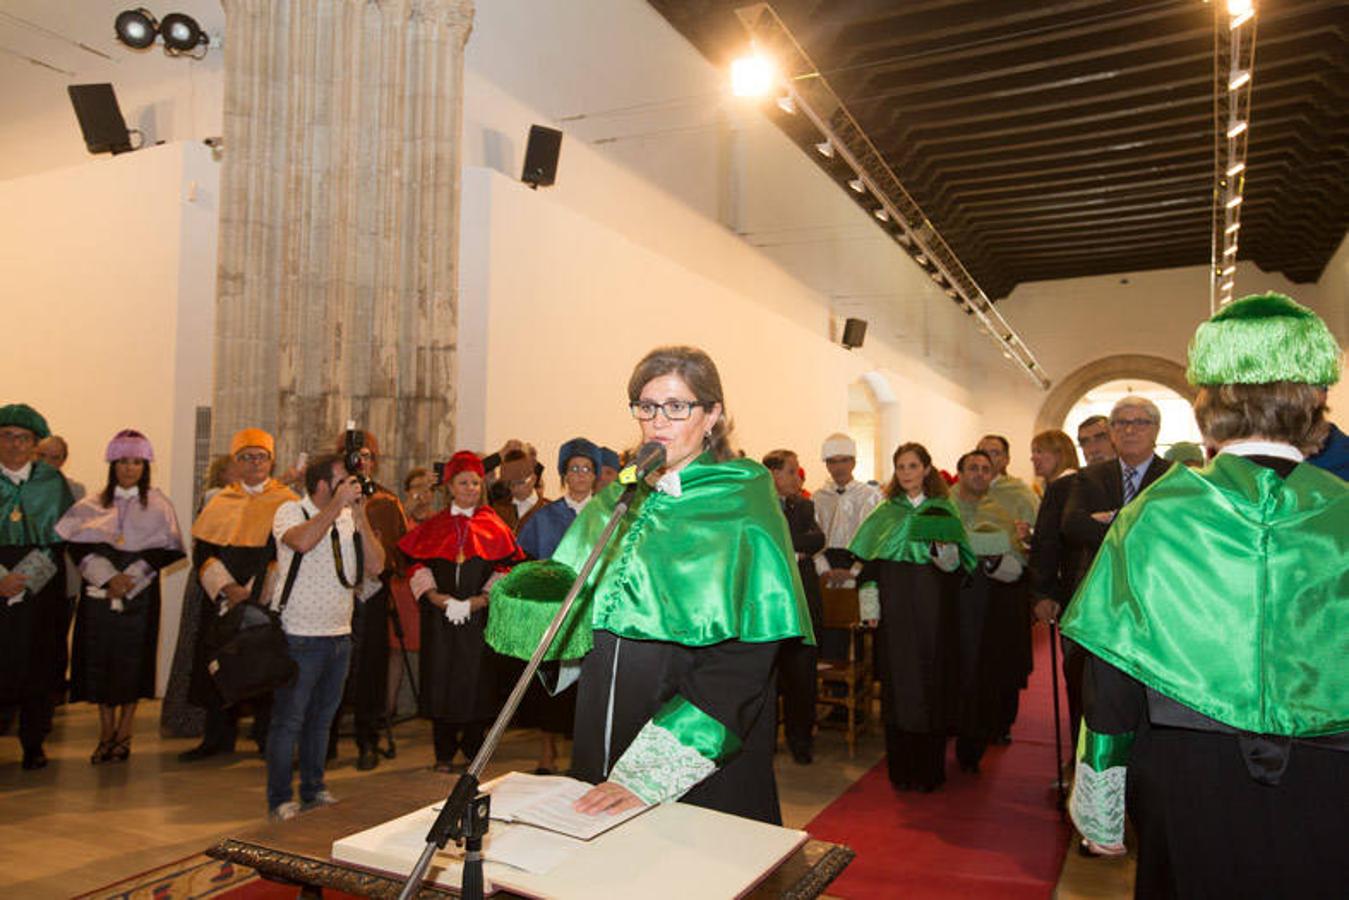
[854,332]
[100,118]
[541,156]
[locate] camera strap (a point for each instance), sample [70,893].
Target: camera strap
[337,557]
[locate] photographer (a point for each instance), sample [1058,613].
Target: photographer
[336,546]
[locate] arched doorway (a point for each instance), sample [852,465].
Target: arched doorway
[1099,384]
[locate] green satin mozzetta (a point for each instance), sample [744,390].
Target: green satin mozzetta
[711,565]
[38,503]
[1227,589]
[898,531]
[697,730]
[1104,751]
[1015,497]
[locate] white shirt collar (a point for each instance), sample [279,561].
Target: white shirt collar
[525,505]
[308,504]
[121,493]
[457,510]
[669,483]
[1276,449]
[254,489]
[576,505]
[18,476]
[916,501]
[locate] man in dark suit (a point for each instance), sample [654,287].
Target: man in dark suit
[797,659]
[1097,493]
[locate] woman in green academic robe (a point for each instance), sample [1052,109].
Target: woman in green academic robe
[913,547]
[687,607]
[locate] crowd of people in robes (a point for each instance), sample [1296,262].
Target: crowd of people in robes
[705,604]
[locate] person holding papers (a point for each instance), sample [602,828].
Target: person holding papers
[33,496]
[685,611]
[121,538]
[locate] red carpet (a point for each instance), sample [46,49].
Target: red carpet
[995,834]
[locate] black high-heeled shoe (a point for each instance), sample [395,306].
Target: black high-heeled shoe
[121,750]
[102,753]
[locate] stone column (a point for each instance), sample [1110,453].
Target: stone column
[338,273]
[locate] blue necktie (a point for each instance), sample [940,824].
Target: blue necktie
[1130,483]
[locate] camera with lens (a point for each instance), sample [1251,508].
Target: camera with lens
[352,445]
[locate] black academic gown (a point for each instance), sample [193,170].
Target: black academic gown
[458,669]
[917,661]
[728,681]
[243,564]
[113,653]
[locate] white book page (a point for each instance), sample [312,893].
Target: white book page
[554,812]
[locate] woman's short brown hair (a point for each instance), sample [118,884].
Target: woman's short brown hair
[697,371]
[1058,443]
[1279,411]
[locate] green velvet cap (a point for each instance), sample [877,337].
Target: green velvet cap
[988,540]
[1262,339]
[21,415]
[523,604]
[1185,452]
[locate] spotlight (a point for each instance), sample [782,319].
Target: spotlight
[136,28]
[787,104]
[857,186]
[1236,169]
[1236,128]
[752,76]
[1239,80]
[825,149]
[882,215]
[181,33]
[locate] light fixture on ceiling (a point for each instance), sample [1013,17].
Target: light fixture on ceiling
[1239,80]
[882,215]
[181,34]
[1236,128]
[1241,11]
[857,186]
[136,28]
[825,149]
[753,75]
[1235,169]
[1233,228]
[1234,202]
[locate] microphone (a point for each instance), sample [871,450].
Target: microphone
[649,458]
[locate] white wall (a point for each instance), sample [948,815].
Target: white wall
[1076,321]
[557,307]
[108,274]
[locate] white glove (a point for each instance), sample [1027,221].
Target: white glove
[946,556]
[457,611]
[1008,569]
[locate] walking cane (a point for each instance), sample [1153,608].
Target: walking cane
[1058,727]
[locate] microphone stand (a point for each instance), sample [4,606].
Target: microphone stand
[465,814]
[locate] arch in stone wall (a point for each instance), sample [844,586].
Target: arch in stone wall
[1069,389]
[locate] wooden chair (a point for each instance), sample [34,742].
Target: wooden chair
[853,672]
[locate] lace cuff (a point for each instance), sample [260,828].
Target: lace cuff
[869,602]
[97,570]
[658,768]
[1097,801]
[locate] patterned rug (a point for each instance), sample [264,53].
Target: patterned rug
[186,879]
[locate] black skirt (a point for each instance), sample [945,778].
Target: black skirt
[113,653]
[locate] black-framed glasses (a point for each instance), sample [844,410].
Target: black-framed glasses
[675,410]
[581,469]
[1130,423]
